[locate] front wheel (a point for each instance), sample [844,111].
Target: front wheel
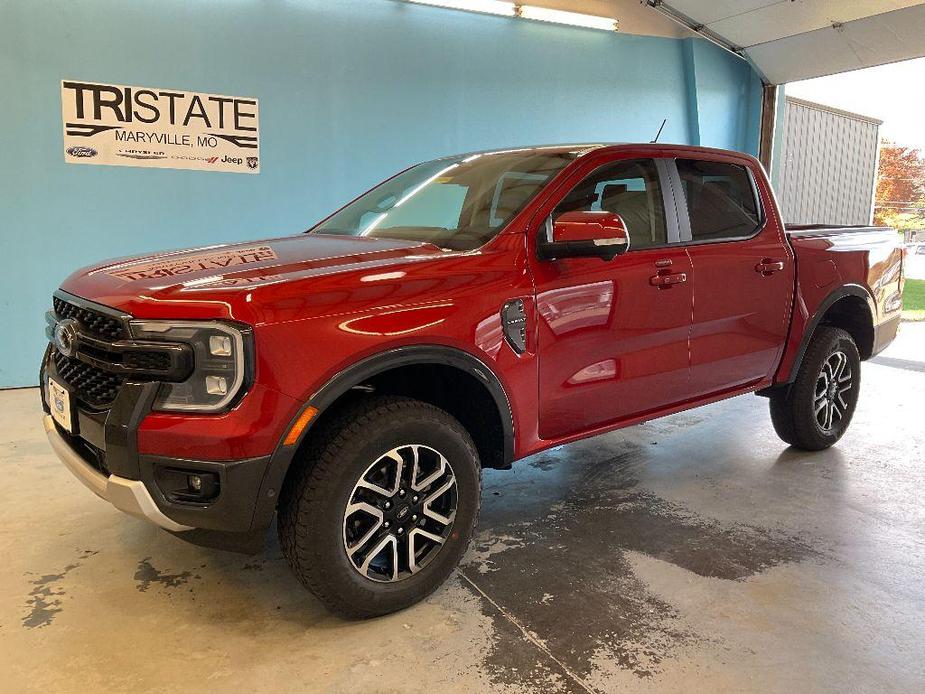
[382,507]
[815,410]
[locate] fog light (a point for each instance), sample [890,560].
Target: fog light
[187,486]
[216,385]
[220,345]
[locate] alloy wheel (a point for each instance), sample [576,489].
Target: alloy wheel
[829,403]
[400,513]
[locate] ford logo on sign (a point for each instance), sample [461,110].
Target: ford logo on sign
[81,151]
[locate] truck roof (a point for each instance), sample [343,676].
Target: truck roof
[582,148]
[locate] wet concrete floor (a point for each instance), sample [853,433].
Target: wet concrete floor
[692,553]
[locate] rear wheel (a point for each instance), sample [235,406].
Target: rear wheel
[382,508]
[815,410]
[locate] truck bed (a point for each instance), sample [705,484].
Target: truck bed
[835,261]
[805,230]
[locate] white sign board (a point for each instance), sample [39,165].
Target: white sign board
[163,128]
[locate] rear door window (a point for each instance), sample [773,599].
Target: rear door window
[720,198]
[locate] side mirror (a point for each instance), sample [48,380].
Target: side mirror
[584,234]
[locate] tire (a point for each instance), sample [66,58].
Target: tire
[829,378]
[352,456]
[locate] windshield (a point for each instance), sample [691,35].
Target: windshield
[454,203]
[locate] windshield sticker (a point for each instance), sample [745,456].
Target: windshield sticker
[163,128]
[198,262]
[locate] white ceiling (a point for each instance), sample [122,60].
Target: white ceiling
[789,40]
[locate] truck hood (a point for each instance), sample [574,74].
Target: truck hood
[215,276]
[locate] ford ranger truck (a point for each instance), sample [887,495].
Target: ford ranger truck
[354,380]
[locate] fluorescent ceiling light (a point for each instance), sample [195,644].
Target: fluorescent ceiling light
[489,6]
[544,14]
[512,9]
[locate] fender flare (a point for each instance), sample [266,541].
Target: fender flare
[356,374]
[827,303]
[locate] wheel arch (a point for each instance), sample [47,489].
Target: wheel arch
[840,309]
[386,371]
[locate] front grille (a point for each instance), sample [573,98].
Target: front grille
[102,355]
[94,322]
[90,384]
[147,361]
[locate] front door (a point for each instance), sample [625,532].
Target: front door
[613,336]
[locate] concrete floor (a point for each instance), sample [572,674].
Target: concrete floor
[694,553]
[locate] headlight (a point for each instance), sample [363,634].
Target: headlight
[220,360]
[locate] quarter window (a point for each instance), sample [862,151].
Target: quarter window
[720,198]
[631,189]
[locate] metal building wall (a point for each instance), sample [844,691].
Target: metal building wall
[828,165]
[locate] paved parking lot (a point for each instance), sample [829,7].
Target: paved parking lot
[697,546]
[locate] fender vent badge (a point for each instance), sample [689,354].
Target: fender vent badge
[514,324]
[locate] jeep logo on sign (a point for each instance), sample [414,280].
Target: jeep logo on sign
[81,151]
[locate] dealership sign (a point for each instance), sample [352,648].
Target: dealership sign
[163,128]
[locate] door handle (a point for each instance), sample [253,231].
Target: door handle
[769,266]
[667,280]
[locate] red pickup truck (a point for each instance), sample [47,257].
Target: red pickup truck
[470,311]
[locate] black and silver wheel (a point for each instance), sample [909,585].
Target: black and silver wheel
[382,507]
[816,409]
[400,513]
[830,404]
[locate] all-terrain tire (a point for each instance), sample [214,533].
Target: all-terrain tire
[312,524]
[820,383]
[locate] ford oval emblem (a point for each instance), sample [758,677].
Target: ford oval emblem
[66,337]
[82,151]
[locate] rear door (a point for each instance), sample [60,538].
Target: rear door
[743,273]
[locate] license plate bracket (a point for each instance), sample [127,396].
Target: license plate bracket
[61,405]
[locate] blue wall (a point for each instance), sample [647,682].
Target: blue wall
[724,98]
[350,91]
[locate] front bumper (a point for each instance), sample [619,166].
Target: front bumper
[202,477]
[130,496]
[104,456]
